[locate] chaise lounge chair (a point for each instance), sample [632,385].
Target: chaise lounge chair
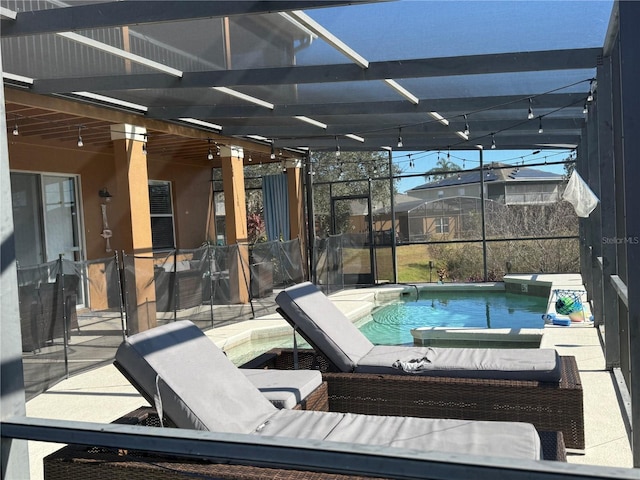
[196,387]
[528,385]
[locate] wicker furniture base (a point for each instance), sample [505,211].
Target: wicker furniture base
[317,400]
[96,463]
[548,406]
[75,461]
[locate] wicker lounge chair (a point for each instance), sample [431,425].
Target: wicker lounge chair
[166,363]
[529,385]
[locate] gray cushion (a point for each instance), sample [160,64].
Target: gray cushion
[284,388]
[497,439]
[491,363]
[199,387]
[326,327]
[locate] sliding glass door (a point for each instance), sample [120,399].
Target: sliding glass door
[46,219]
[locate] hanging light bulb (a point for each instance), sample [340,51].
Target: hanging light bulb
[400,144]
[337,149]
[209,152]
[585,109]
[217,149]
[590,95]
[466,126]
[410,162]
[540,129]
[459,176]
[250,159]
[144,148]
[284,166]
[80,142]
[530,113]
[493,142]
[273,152]
[15,130]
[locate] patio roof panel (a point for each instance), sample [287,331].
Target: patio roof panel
[482,59]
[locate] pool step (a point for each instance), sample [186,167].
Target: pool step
[477,337]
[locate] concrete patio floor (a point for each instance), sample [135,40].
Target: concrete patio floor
[103,394]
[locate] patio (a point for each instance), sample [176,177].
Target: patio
[102,395]
[149,117]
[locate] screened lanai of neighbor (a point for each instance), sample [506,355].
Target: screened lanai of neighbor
[165,159]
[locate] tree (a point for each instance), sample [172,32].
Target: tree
[349,175]
[443,169]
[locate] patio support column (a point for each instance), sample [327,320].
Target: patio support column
[14,453]
[311,222]
[295,188]
[236,221]
[595,223]
[132,199]
[609,298]
[629,81]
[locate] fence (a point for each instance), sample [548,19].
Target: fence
[74,315]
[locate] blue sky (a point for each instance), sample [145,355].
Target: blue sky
[468,159]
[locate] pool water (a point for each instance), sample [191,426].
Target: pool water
[392,324]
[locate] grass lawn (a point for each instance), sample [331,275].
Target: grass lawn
[413,264]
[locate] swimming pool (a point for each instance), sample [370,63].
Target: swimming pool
[391,324]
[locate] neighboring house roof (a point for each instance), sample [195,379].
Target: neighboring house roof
[451,204]
[496,173]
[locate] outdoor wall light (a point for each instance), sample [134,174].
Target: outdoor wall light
[105,195]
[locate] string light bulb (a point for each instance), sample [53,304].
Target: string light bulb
[15,130]
[493,142]
[540,129]
[400,144]
[144,148]
[337,148]
[273,152]
[590,95]
[80,142]
[250,159]
[530,113]
[585,109]
[466,126]
[209,152]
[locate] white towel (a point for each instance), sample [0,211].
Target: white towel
[412,366]
[579,195]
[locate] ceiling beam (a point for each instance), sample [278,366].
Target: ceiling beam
[432,128]
[84,110]
[431,142]
[470,104]
[114,14]
[568,59]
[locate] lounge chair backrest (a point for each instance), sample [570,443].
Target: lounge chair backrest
[324,325]
[197,384]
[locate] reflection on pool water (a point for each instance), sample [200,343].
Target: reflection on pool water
[392,324]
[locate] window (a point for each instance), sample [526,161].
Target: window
[442,225]
[162,233]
